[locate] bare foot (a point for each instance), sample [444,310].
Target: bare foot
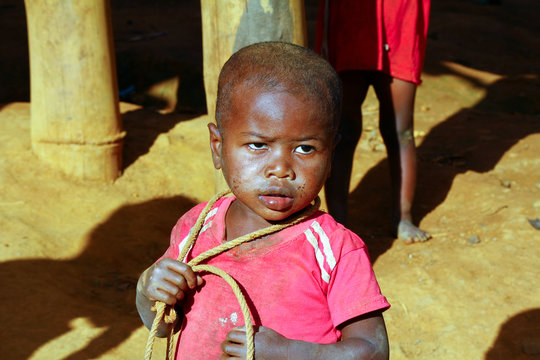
[409,233]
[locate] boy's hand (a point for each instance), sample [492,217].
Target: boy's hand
[168,281]
[363,337]
[268,344]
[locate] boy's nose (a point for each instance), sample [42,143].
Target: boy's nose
[279,166]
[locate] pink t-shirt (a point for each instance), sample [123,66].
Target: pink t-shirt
[302,282]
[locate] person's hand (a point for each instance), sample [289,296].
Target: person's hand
[268,344]
[168,281]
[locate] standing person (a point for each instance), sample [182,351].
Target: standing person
[311,288]
[379,43]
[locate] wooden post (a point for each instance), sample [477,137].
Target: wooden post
[228,26]
[75,118]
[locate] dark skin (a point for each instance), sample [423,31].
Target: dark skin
[168,281]
[275,151]
[396,99]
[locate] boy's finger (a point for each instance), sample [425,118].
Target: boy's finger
[164,297]
[237,335]
[167,291]
[175,280]
[185,271]
[234,350]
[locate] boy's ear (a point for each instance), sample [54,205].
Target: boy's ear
[216,142]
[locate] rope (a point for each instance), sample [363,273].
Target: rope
[160,307]
[250,345]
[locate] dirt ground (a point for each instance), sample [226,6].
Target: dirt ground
[71,251]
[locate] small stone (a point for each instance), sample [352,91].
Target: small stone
[506,183]
[474,239]
[535,223]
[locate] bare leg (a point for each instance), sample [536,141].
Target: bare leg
[396,122]
[355,86]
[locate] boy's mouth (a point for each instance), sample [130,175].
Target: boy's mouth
[277,202]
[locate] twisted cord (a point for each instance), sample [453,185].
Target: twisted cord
[159,308]
[199,224]
[170,344]
[250,344]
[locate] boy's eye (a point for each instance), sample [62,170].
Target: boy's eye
[305,149]
[257,146]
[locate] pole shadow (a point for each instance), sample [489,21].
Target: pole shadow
[154,43]
[41,297]
[142,127]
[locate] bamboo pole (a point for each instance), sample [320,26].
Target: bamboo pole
[75,118]
[227,26]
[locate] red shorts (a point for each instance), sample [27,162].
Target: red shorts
[388,36]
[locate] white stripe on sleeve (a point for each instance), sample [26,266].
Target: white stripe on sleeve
[318,254]
[210,214]
[330,259]
[203,229]
[181,246]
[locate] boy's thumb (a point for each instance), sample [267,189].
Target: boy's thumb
[200,280]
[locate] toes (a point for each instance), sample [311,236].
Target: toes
[410,233]
[422,236]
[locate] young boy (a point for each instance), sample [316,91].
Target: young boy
[310,287]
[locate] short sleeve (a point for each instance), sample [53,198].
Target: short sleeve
[353,289]
[181,231]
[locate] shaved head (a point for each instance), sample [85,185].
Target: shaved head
[281,67]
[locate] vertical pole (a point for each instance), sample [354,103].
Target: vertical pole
[230,25]
[75,118]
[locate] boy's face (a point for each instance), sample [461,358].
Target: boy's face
[275,152]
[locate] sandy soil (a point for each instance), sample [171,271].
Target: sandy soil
[71,251]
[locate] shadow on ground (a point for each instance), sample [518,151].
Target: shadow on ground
[101,281]
[518,339]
